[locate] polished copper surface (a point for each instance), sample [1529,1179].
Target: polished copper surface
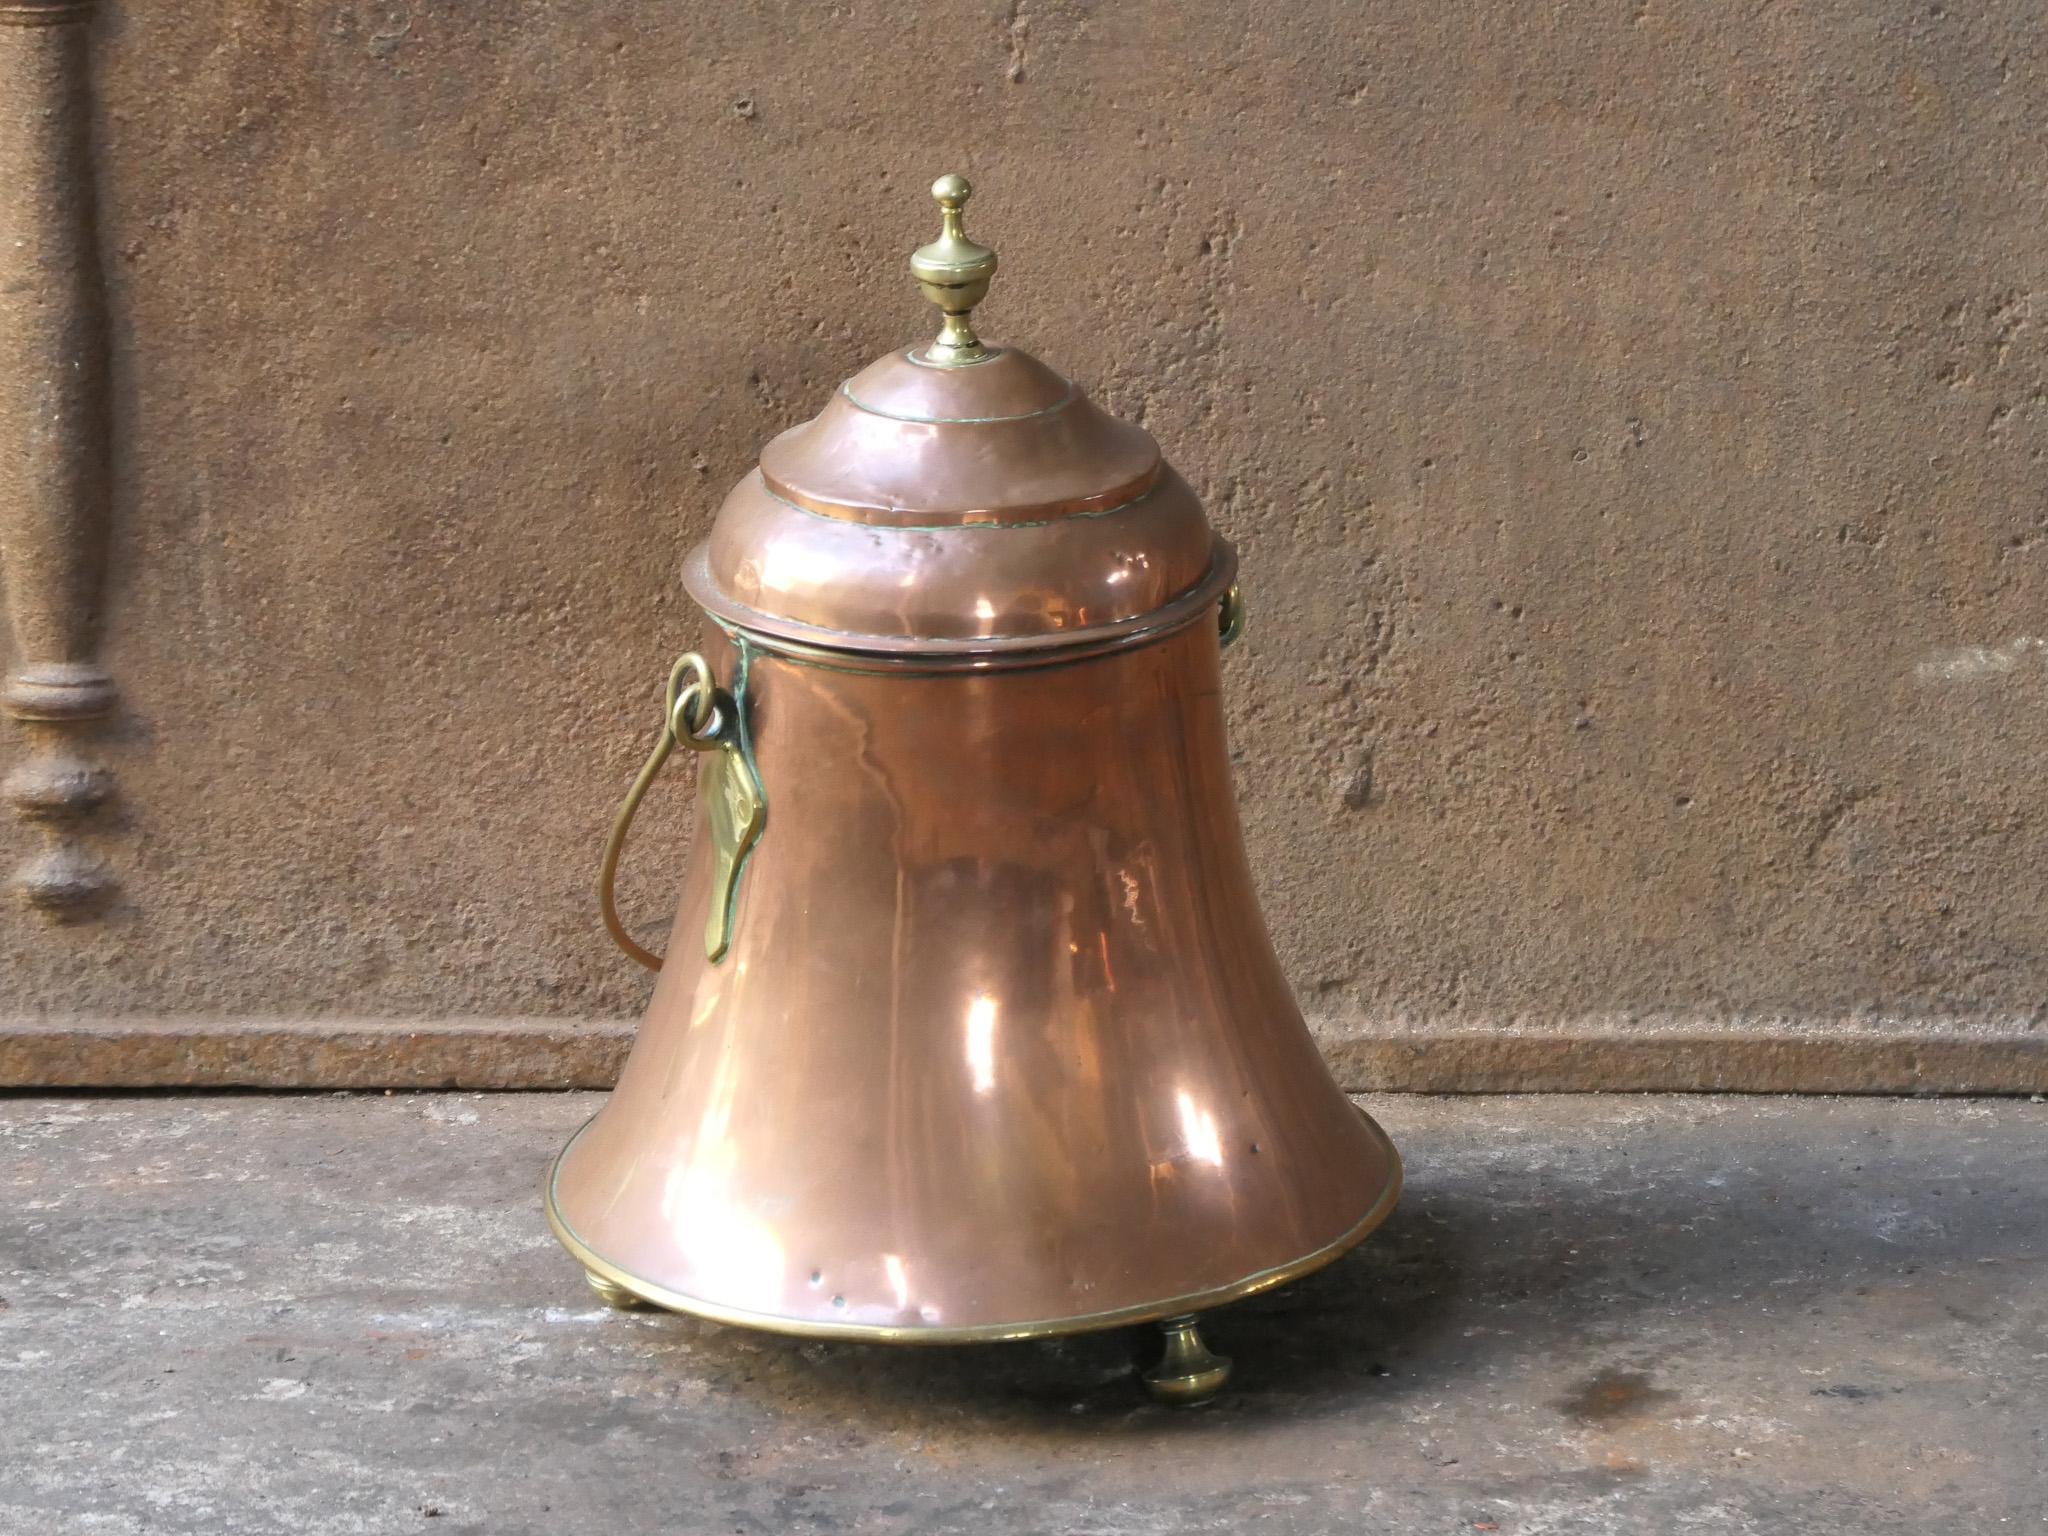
[1000,1044]
[976,1033]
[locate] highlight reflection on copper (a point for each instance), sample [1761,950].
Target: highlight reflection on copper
[981,1042]
[899,1279]
[1198,1130]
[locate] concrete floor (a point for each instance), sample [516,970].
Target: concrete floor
[324,1315]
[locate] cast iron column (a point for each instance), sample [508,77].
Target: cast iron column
[53,444]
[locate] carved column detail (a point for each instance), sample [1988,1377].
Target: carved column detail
[54,431]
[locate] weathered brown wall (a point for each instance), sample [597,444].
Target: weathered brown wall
[1631,416]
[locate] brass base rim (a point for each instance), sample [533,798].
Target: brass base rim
[655,1295]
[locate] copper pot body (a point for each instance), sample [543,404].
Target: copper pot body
[969,1027]
[1000,1046]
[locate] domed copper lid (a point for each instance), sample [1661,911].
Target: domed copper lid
[959,499]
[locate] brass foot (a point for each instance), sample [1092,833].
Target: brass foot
[1187,1374]
[616,1296]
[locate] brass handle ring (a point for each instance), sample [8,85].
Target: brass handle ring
[1230,620]
[692,715]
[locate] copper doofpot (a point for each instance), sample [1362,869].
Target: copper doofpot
[969,1027]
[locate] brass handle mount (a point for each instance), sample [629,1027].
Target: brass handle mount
[1230,617]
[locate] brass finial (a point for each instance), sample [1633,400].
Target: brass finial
[954,273]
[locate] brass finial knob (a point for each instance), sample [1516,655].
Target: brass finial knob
[954,273]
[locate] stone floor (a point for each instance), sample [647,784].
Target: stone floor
[318,1315]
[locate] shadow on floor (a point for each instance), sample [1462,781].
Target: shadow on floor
[1482,1269]
[1322,1343]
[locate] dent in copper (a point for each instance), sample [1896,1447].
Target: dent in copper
[1000,1041]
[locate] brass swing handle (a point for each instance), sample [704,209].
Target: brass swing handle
[692,716]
